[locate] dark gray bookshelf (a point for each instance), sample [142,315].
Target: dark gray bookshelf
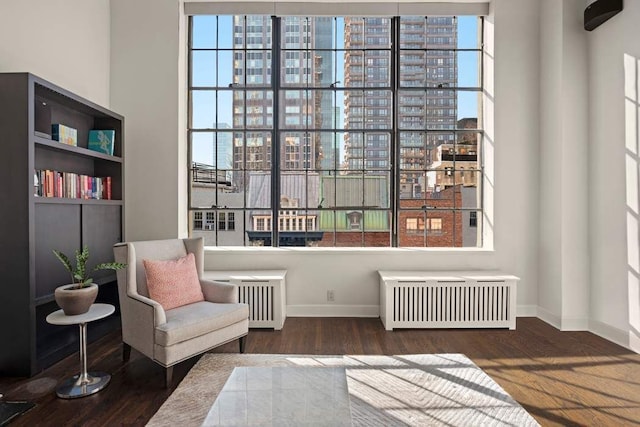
[32,226]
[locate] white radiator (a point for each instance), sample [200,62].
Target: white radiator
[264,292]
[447,300]
[260,297]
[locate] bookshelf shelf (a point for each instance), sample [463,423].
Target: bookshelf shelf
[55,145]
[70,201]
[34,225]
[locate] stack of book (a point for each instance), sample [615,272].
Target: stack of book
[70,185]
[65,134]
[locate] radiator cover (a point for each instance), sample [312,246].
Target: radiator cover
[412,299]
[263,290]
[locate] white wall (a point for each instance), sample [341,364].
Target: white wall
[563,285]
[551,50]
[146,67]
[614,52]
[146,61]
[63,41]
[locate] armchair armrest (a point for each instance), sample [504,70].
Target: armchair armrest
[219,292]
[159,316]
[140,316]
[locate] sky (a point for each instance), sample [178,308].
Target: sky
[206,73]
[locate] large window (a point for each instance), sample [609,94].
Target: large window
[336,131]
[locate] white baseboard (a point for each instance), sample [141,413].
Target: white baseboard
[527,311]
[574,324]
[610,333]
[549,317]
[333,310]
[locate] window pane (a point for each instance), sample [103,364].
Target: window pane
[229,70]
[469,104]
[225,31]
[299,190]
[377,68]
[413,68]
[471,228]
[470,189]
[203,147]
[204,32]
[203,108]
[297,110]
[468,69]
[331,151]
[225,110]
[258,191]
[252,150]
[468,37]
[298,151]
[354,65]
[259,109]
[203,68]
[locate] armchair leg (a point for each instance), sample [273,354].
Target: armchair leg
[168,375]
[243,341]
[126,351]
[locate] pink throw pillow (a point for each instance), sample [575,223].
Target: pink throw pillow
[173,283]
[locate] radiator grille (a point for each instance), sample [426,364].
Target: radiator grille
[450,304]
[260,298]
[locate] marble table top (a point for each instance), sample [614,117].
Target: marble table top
[282,396]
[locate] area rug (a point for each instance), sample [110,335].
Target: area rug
[404,390]
[10,410]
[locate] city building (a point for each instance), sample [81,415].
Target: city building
[216,220]
[424,103]
[304,64]
[355,211]
[297,216]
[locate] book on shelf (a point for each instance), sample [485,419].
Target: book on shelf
[64,134]
[69,185]
[102,141]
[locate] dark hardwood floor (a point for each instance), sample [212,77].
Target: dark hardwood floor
[561,378]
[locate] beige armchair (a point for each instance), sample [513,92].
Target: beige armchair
[171,336]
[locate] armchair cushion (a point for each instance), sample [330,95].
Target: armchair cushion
[173,283]
[191,321]
[219,292]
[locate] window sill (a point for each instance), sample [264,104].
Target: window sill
[348,250]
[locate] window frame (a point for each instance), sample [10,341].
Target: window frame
[278,48]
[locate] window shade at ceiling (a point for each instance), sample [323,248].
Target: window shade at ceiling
[335,9]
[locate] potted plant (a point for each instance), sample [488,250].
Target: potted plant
[77,297]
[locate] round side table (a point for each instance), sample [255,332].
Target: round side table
[85,383]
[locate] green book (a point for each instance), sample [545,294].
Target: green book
[102,141]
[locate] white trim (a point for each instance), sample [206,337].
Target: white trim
[336,8]
[610,333]
[547,316]
[574,324]
[527,311]
[443,8]
[333,310]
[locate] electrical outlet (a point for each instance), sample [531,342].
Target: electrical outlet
[330,295]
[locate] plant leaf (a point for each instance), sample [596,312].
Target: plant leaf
[81,263]
[66,262]
[109,266]
[88,281]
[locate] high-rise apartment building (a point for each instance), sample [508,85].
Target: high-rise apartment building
[301,110]
[427,68]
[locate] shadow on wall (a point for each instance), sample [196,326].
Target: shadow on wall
[632,162]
